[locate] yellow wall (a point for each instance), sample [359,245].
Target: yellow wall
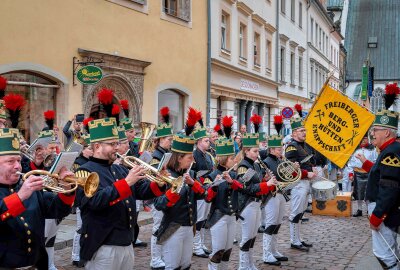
[49,32]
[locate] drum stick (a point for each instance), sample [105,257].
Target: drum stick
[397,258]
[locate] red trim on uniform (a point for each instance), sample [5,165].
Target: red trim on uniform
[304,174]
[197,188]
[14,205]
[123,189]
[210,194]
[386,144]
[172,197]
[236,185]
[67,199]
[367,165]
[265,189]
[201,179]
[155,189]
[33,166]
[374,220]
[351,174]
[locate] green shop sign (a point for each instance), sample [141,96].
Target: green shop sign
[89,75]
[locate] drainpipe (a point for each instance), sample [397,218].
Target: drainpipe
[208,109]
[277,44]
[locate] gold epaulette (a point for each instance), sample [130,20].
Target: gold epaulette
[392,161]
[207,181]
[241,170]
[154,161]
[75,167]
[82,173]
[290,148]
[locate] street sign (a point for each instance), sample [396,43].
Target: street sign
[287,112]
[89,74]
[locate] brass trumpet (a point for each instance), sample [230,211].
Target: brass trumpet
[55,184]
[152,173]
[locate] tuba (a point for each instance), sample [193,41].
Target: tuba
[54,183]
[147,131]
[153,174]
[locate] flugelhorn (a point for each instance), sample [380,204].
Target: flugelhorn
[54,183]
[153,174]
[147,131]
[24,151]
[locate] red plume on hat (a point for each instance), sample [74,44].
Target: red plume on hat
[217,128]
[299,109]
[49,117]
[390,96]
[125,106]
[14,104]
[191,121]
[278,123]
[227,123]
[105,97]
[115,112]
[3,85]
[200,118]
[164,112]
[256,120]
[86,123]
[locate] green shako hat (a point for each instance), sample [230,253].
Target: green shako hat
[3,113]
[296,123]
[275,141]
[45,134]
[224,147]
[387,118]
[103,129]
[253,139]
[164,129]
[261,137]
[127,123]
[9,142]
[85,139]
[183,144]
[200,132]
[121,133]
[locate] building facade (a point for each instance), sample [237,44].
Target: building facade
[146,50]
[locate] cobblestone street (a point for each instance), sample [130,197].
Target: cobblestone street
[339,243]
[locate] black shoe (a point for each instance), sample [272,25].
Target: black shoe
[277,263]
[200,255]
[304,220]
[261,229]
[140,244]
[158,268]
[358,214]
[308,210]
[282,259]
[235,241]
[299,247]
[79,264]
[306,244]
[206,251]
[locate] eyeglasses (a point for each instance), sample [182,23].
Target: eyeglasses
[112,144]
[376,129]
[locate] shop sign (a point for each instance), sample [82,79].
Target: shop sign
[89,74]
[249,86]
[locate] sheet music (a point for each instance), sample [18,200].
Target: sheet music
[164,161]
[64,159]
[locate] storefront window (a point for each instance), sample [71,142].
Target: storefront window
[175,101]
[38,100]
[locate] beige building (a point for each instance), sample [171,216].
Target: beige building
[153,53]
[243,42]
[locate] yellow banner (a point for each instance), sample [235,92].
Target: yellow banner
[336,124]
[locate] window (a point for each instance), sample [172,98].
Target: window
[312,79]
[316,35]
[300,71]
[175,101]
[326,45]
[242,41]
[282,64]
[283,6]
[332,55]
[301,15]
[177,8]
[312,31]
[268,55]
[292,67]
[256,45]
[316,80]
[225,31]
[292,10]
[323,42]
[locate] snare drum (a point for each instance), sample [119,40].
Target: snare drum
[323,190]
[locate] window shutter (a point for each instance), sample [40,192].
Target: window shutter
[184,9]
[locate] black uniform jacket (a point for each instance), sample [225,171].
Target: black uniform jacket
[384,185]
[22,224]
[157,156]
[79,161]
[133,149]
[225,200]
[272,163]
[253,188]
[179,210]
[203,162]
[108,217]
[297,152]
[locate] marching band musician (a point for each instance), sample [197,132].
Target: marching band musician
[203,166]
[296,151]
[224,199]
[250,175]
[383,187]
[275,205]
[24,207]
[108,216]
[130,134]
[175,233]
[162,144]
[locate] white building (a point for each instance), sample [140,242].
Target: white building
[243,66]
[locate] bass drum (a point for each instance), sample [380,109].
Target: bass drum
[323,190]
